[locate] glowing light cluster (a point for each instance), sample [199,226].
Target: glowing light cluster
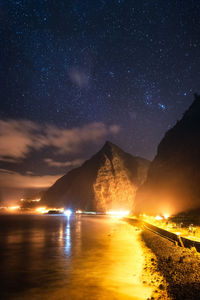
[159,218]
[13,207]
[68,212]
[119,214]
[166,216]
[42,210]
[79,211]
[35,200]
[30,200]
[154,219]
[10,208]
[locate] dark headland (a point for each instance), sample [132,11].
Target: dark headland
[173,178]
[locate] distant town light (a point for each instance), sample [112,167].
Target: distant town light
[36,200]
[158,218]
[41,210]
[30,200]
[14,207]
[68,212]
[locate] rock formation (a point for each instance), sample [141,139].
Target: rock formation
[173,181]
[107,181]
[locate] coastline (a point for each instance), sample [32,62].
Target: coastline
[179,266]
[151,275]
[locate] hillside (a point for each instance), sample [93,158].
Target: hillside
[172,183]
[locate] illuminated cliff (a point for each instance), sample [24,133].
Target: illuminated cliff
[108,180]
[113,188]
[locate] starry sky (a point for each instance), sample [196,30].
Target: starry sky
[75,73]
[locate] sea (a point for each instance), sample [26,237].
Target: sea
[77,257]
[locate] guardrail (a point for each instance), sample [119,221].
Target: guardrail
[173,237]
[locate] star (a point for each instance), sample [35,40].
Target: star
[66,63]
[162,106]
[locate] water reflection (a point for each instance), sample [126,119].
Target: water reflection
[78,235]
[69,258]
[68,238]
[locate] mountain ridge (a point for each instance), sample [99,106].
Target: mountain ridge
[173,176]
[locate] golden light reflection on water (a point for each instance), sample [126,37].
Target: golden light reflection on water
[93,258]
[14,239]
[107,261]
[125,273]
[78,230]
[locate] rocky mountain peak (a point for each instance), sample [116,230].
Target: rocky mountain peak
[109,147]
[108,180]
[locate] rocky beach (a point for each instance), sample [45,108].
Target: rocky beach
[180,267]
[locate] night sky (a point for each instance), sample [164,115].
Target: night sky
[76,73]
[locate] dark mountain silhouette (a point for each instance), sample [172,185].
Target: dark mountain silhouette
[108,180]
[173,181]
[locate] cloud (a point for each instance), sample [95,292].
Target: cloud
[19,137]
[10,179]
[16,139]
[73,163]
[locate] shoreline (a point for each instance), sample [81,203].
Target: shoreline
[179,266]
[151,276]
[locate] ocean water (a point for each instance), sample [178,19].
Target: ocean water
[84,257]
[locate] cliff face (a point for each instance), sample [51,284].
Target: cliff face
[173,181]
[108,180]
